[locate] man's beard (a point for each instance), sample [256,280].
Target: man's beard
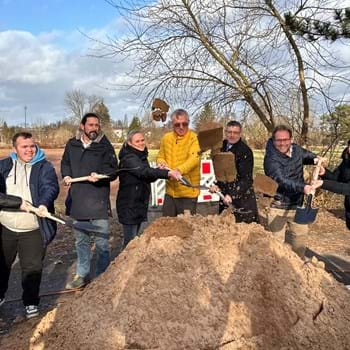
[92,135]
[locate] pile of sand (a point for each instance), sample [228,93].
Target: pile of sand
[200,283]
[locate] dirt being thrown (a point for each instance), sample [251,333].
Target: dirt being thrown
[199,283]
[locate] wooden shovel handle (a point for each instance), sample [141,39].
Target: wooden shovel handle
[48,215]
[85,178]
[33,209]
[315,173]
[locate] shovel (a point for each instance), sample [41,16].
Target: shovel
[100,176]
[211,138]
[84,226]
[85,178]
[307,215]
[185,182]
[235,210]
[265,185]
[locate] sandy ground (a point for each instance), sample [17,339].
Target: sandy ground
[199,283]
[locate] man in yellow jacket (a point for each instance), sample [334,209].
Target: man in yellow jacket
[179,150]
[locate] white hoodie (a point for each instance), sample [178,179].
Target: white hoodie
[17,183]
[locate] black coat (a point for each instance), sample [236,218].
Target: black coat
[288,173]
[340,182]
[89,200]
[8,201]
[134,185]
[241,189]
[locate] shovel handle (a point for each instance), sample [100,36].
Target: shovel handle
[48,215]
[315,173]
[85,178]
[309,200]
[55,218]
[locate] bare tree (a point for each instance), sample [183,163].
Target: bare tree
[78,103]
[228,53]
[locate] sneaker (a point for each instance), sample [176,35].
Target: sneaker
[2,300]
[78,282]
[32,311]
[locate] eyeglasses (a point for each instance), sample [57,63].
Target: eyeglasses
[182,125]
[232,132]
[281,140]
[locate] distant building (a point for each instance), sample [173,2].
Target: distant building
[120,132]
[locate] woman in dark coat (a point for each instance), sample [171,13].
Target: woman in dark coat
[134,184]
[338,181]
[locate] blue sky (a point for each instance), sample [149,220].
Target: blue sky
[43,55]
[38,16]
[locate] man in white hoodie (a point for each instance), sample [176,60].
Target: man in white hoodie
[27,174]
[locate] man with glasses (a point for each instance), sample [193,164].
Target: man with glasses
[284,162]
[239,192]
[179,151]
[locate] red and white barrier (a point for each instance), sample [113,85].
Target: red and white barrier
[207,179]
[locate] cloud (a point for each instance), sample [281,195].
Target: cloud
[37,71]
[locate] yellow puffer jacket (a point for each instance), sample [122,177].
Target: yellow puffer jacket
[181,152]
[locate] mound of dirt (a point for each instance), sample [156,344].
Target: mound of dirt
[199,283]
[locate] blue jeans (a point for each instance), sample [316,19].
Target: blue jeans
[82,244]
[130,232]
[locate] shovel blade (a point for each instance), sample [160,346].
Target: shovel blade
[265,185]
[210,138]
[306,215]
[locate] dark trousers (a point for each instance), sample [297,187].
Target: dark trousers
[175,206]
[130,232]
[31,252]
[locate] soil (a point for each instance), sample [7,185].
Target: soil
[202,282]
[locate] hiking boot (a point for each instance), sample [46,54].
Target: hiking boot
[32,311]
[2,300]
[78,282]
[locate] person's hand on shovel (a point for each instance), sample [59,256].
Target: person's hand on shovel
[25,206]
[42,211]
[227,199]
[174,174]
[93,177]
[308,189]
[66,180]
[213,189]
[29,208]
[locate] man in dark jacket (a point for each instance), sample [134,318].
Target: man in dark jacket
[27,174]
[88,154]
[283,162]
[240,192]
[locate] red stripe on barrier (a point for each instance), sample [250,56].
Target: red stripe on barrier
[206,168]
[207,197]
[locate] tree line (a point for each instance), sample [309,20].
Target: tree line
[328,130]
